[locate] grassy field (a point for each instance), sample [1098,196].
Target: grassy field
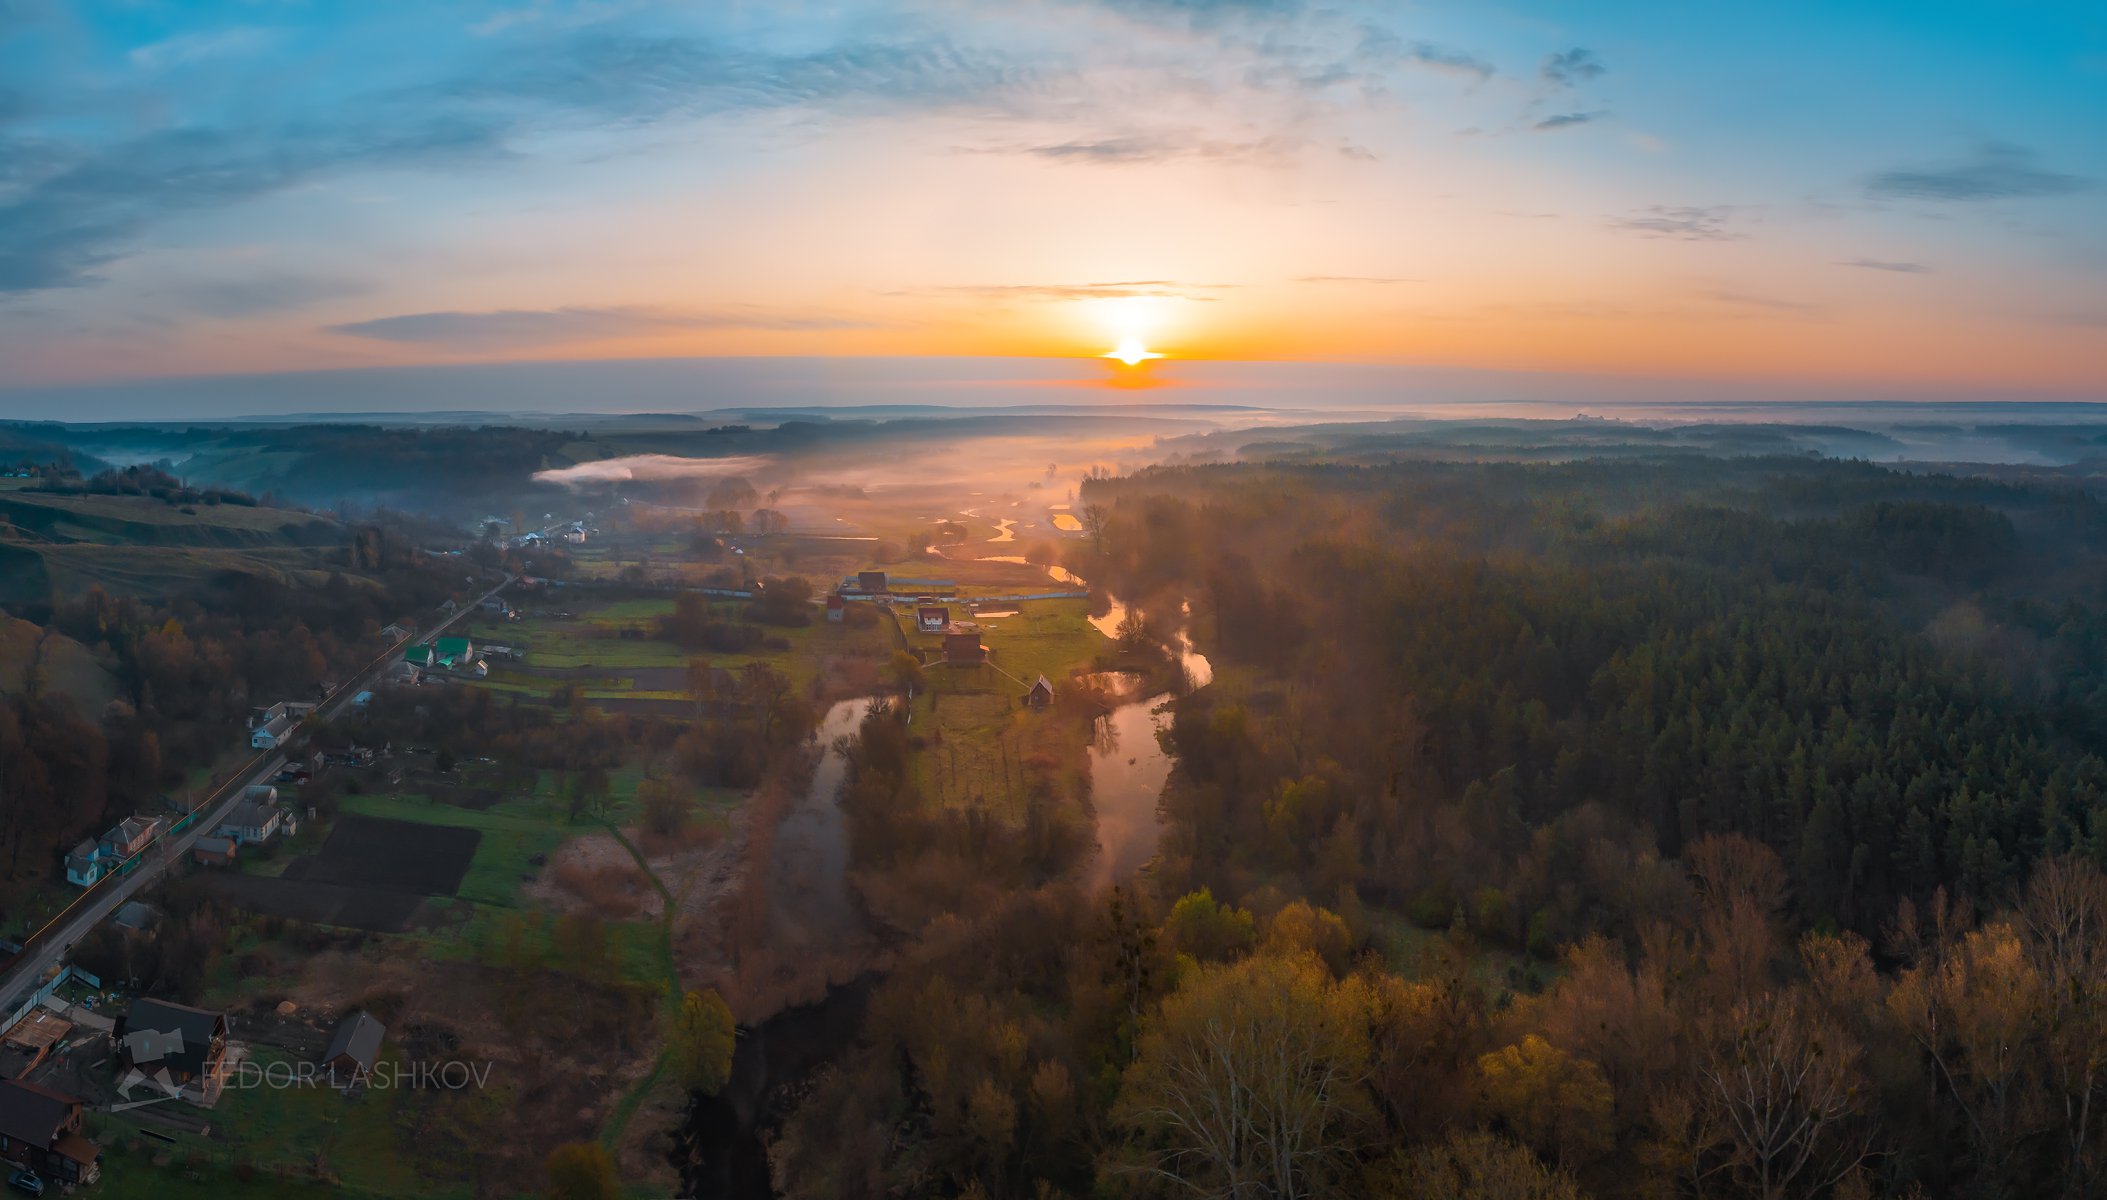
[978,734]
[1046,637]
[306,1140]
[136,520]
[504,856]
[592,641]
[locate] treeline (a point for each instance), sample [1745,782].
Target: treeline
[1683,827]
[1051,1046]
[143,480]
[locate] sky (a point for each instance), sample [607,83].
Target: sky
[1849,199]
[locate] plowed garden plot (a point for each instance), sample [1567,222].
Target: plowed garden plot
[400,856]
[324,903]
[372,873]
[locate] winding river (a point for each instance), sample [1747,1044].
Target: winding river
[810,900]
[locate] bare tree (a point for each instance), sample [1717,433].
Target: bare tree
[2065,919]
[1777,1104]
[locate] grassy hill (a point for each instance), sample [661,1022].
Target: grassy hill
[67,665]
[54,545]
[145,521]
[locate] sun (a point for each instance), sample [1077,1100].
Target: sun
[1131,352]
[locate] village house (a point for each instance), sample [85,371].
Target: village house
[962,646]
[131,835]
[837,608]
[871,583]
[398,631]
[85,863]
[175,1046]
[272,734]
[456,654]
[40,1129]
[931,618]
[252,822]
[1041,693]
[353,1050]
[213,851]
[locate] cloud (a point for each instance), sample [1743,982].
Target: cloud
[1689,224]
[89,205]
[516,328]
[1567,121]
[1204,14]
[87,210]
[1132,149]
[1354,279]
[1572,68]
[1381,45]
[631,77]
[187,49]
[1882,264]
[1768,304]
[1127,289]
[1998,171]
[1428,55]
[651,467]
[268,293]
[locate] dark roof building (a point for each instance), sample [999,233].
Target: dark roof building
[354,1048]
[156,1035]
[962,646]
[41,1130]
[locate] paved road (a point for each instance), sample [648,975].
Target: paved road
[49,945]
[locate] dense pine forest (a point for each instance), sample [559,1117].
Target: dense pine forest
[1677,827]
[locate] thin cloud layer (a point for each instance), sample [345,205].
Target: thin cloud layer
[1996,172]
[1685,223]
[520,328]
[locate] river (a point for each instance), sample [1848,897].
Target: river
[723,1151]
[812,905]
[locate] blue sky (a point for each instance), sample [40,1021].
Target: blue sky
[1872,196]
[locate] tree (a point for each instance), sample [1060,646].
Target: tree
[1206,930]
[703,1040]
[1777,1104]
[1976,1008]
[666,806]
[1303,928]
[2065,919]
[582,1171]
[1559,1104]
[1475,1166]
[906,671]
[1250,1080]
[1095,519]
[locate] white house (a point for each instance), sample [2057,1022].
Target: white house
[272,734]
[251,822]
[85,864]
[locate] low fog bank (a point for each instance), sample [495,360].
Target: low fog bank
[465,466]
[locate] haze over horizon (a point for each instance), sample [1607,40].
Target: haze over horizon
[956,204]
